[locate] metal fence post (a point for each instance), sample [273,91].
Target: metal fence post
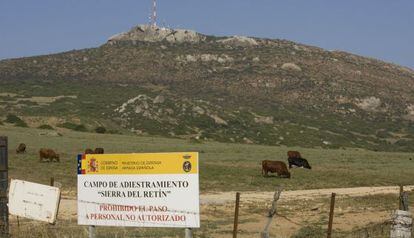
[4,210]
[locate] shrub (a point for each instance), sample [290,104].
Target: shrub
[80,128]
[21,124]
[100,130]
[195,140]
[45,127]
[13,119]
[310,231]
[115,132]
[72,126]
[383,134]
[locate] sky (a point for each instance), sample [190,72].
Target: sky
[382,29]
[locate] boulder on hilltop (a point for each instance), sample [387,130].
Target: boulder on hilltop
[240,41]
[150,33]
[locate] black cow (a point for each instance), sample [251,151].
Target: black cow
[299,162]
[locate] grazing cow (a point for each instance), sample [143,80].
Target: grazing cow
[21,148]
[48,154]
[89,151]
[278,167]
[99,151]
[294,154]
[299,162]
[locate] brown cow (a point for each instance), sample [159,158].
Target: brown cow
[21,148]
[294,154]
[48,154]
[99,151]
[278,167]
[89,151]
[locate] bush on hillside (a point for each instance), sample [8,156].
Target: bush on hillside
[13,119]
[383,134]
[100,130]
[195,140]
[21,124]
[73,126]
[45,127]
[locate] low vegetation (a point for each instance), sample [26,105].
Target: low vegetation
[100,130]
[73,126]
[13,119]
[310,231]
[45,127]
[201,119]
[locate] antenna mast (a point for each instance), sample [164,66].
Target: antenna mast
[154,14]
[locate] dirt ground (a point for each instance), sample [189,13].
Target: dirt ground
[296,209]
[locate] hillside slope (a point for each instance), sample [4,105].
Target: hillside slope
[236,89]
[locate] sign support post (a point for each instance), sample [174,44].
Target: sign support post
[4,210]
[92,232]
[188,233]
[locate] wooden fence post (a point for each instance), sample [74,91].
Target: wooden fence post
[331,214]
[4,181]
[400,204]
[272,212]
[401,220]
[403,200]
[236,215]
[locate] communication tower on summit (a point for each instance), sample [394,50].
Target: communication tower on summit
[154,13]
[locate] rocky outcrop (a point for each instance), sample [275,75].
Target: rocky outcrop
[218,120]
[241,41]
[149,33]
[263,120]
[369,104]
[222,59]
[410,112]
[291,66]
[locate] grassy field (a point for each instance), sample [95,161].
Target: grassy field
[223,167]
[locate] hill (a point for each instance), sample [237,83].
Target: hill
[180,83]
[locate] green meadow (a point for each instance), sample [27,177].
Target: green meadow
[223,166]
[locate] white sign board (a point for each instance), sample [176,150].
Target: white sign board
[139,190]
[33,200]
